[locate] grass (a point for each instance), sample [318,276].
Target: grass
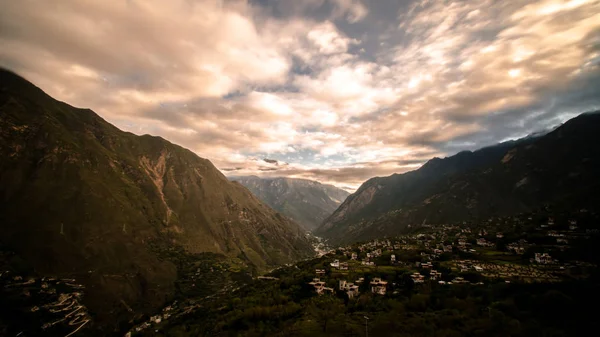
[498,257]
[387,268]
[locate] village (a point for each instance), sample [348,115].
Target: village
[515,249]
[521,249]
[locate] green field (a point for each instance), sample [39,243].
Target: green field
[494,256]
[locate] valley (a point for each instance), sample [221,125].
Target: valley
[141,237]
[137,220]
[306,202]
[504,276]
[291,168]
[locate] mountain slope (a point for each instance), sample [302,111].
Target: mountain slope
[305,201]
[81,198]
[560,168]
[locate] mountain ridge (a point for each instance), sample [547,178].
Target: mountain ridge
[386,205]
[82,198]
[305,201]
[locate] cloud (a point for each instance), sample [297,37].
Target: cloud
[144,52]
[350,10]
[342,90]
[353,10]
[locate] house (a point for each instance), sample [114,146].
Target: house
[320,287]
[499,235]
[434,274]
[517,249]
[459,280]
[335,264]
[320,271]
[393,259]
[543,258]
[427,265]
[360,280]
[324,290]
[316,282]
[350,288]
[343,266]
[463,267]
[378,286]
[418,278]
[354,256]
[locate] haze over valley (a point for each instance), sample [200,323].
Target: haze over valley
[304,201]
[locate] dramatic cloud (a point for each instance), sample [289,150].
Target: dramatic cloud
[333,90]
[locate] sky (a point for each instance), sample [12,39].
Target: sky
[337,91]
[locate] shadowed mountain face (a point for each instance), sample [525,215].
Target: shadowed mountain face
[304,201]
[561,168]
[79,197]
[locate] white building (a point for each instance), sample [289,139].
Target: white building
[378,286]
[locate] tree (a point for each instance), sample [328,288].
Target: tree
[325,309]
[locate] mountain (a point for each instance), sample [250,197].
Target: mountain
[561,168]
[305,201]
[83,199]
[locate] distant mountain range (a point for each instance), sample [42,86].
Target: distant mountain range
[305,201]
[559,168]
[83,199]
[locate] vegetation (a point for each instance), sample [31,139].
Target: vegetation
[509,296]
[559,168]
[306,202]
[289,307]
[154,240]
[83,199]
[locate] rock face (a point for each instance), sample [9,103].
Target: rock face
[305,201]
[80,197]
[560,168]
